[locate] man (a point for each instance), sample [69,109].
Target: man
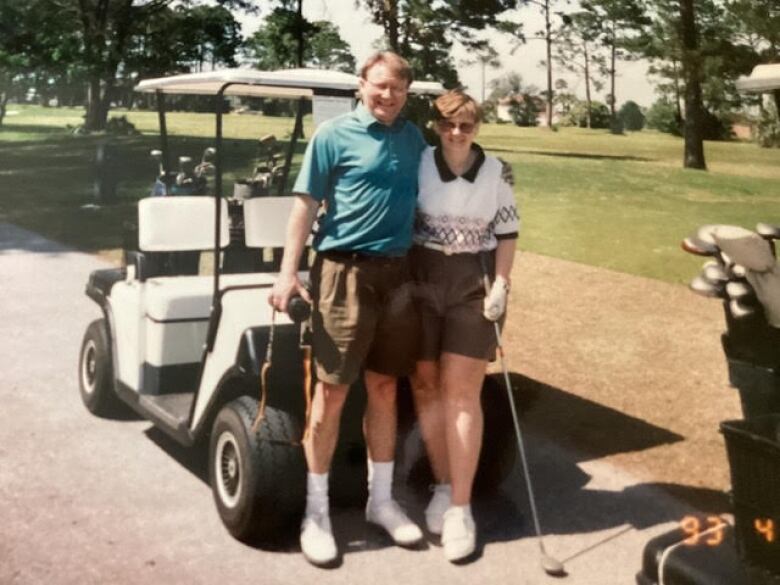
[362,168]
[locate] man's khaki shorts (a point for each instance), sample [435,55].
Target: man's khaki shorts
[451,292]
[364,316]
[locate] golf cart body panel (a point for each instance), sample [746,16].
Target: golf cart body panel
[763,78]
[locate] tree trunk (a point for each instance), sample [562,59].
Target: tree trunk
[391,24]
[776,94]
[3,104]
[587,83]
[613,60]
[694,141]
[548,39]
[99,94]
[677,92]
[299,35]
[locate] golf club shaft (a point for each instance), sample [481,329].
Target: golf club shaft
[520,442]
[515,419]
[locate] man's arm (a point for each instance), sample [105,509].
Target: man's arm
[302,216]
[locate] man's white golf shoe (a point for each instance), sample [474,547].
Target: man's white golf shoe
[317,542]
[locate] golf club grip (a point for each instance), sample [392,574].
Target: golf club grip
[298,309]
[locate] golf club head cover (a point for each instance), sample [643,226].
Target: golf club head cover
[495,302]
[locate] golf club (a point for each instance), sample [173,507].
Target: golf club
[551,566]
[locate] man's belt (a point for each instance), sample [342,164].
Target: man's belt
[349,256]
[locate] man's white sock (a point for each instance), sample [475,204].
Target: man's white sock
[316,493]
[380,481]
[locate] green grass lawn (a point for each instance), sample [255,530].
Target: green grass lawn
[621,202]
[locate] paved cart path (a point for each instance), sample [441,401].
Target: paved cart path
[85,500]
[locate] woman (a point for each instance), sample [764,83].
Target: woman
[466,229]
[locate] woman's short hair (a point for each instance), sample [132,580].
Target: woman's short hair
[455,102]
[394,62]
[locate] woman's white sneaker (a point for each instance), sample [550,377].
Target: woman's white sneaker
[439,504]
[459,533]
[391,517]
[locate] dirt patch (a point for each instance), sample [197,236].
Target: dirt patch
[624,369]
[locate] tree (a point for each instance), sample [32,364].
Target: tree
[576,51]
[692,70]
[274,45]
[547,34]
[424,32]
[487,57]
[619,23]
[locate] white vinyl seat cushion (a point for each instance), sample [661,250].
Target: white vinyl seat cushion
[265,221]
[180,223]
[168,298]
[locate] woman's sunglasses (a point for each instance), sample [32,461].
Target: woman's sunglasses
[464,127]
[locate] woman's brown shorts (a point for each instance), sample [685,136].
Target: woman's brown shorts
[450,293]
[364,315]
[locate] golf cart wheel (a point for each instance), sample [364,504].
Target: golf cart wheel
[258,479]
[95,371]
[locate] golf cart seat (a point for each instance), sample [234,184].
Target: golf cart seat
[176,298]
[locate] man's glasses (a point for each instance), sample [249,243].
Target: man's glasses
[393,89]
[464,127]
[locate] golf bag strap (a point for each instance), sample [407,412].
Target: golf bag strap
[264,376]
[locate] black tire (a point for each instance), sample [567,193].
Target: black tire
[258,479]
[96,376]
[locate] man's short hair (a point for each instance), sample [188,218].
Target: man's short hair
[393,61]
[455,102]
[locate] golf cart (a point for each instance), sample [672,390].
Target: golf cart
[742,271]
[204,357]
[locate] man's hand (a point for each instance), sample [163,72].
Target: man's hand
[284,288]
[495,302]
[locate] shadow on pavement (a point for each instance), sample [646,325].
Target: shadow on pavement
[561,431]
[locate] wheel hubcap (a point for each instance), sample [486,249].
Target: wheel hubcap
[228,469]
[89,367]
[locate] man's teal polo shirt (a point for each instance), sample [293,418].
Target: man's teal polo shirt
[366,174]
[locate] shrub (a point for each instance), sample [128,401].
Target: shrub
[662,116]
[768,129]
[616,125]
[525,112]
[632,117]
[120,126]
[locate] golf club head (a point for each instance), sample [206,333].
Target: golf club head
[739,310]
[704,287]
[770,232]
[698,247]
[208,155]
[715,273]
[738,271]
[740,291]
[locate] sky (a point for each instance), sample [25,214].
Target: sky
[356,29]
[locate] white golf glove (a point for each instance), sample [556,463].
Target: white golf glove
[495,303]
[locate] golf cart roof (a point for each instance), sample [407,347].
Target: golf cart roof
[290,83]
[763,78]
